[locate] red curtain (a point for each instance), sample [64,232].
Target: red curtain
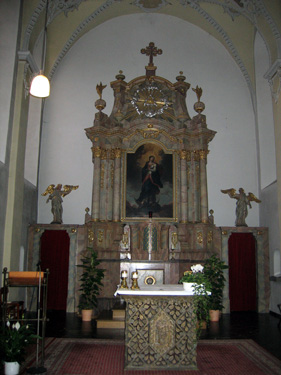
[242,272]
[55,257]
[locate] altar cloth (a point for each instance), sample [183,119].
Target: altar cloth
[155,290]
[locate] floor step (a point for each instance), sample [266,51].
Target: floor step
[114,319]
[110,324]
[118,314]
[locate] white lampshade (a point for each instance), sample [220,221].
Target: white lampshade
[40,86]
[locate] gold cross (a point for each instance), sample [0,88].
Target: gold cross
[151,51]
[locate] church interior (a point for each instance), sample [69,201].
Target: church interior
[158,146]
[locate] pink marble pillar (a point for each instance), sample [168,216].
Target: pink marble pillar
[96,183]
[183,190]
[117,185]
[203,186]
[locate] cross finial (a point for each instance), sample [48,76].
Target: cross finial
[151,51]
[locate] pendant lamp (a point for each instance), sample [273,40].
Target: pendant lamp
[40,85]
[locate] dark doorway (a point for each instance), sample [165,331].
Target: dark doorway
[55,257]
[242,272]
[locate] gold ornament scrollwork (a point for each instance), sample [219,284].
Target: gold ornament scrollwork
[90,236]
[103,154]
[183,154]
[100,236]
[200,237]
[96,152]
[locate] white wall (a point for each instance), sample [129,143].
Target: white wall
[265,115]
[9,13]
[98,57]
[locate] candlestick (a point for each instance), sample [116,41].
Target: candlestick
[124,275]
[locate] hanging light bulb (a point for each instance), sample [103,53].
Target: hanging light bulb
[40,85]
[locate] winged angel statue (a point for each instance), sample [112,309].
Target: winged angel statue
[55,196]
[243,201]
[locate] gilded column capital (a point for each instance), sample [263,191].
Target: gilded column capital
[118,153]
[103,154]
[96,152]
[203,154]
[183,154]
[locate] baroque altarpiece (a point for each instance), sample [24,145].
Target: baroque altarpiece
[149,208]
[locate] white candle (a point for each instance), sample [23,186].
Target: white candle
[124,274]
[135,275]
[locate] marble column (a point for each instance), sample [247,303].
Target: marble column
[110,186]
[117,185]
[183,173]
[96,183]
[103,185]
[203,186]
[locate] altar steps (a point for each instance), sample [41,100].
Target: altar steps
[114,319]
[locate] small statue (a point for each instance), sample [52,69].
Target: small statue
[100,89]
[198,91]
[243,201]
[55,195]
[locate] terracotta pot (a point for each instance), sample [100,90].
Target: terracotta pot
[87,315]
[203,324]
[214,315]
[11,368]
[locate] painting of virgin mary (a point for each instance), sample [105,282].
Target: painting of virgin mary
[149,182]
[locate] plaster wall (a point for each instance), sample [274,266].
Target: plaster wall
[97,57]
[264,116]
[9,18]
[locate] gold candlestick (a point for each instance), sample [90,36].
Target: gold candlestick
[124,275]
[135,280]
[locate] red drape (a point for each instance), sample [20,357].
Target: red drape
[55,256]
[242,272]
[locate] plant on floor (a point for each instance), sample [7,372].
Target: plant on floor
[213,270]
[14,339]
[91,280]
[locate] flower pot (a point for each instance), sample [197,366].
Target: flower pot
[11,368]
[188,287]
[87,315]
[214,315]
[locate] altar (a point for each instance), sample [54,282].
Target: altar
[149,209]
[160,331]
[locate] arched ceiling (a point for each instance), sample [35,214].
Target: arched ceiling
[232,22]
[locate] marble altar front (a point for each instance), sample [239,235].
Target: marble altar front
[160,330]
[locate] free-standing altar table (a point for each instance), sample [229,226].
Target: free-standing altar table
[160,330]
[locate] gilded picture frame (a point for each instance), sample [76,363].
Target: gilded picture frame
[149,184]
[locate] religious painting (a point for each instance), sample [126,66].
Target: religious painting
[149,183]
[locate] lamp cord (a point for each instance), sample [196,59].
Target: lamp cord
[43,60]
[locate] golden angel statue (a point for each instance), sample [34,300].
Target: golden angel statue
[243,201]
[55,195]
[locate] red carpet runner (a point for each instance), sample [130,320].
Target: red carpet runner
[103,357]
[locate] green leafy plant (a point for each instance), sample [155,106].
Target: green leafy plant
[14,340]
[213,270]
[201,291]
[91,280]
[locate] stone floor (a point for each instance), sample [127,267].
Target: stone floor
[262,328]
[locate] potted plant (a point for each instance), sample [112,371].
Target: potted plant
[14,340]
[213,270]
[91,282]
[201,287]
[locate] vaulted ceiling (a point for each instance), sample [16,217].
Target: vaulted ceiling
[233,23]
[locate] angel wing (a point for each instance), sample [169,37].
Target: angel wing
[49,190]
[68,189]
[252,197]
[231,192]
